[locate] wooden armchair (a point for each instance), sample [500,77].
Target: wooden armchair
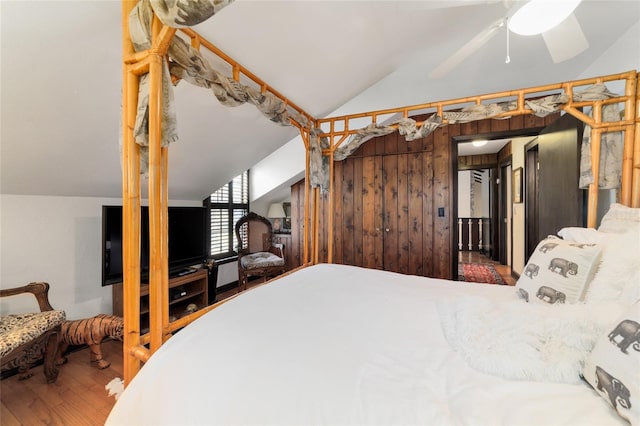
[25,338]
[257,254]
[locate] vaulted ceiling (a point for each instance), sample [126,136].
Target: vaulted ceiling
[61,79]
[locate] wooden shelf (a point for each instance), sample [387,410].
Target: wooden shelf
[194,284]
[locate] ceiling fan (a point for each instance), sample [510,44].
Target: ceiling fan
[563,35]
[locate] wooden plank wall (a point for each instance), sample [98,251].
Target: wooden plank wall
[389,183]
[477,161]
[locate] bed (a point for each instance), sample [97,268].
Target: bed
[335,344]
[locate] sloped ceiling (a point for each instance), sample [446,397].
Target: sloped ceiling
[61,79]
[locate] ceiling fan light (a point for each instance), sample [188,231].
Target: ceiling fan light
[479,143]
[538,16]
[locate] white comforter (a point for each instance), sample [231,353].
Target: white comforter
[335,344]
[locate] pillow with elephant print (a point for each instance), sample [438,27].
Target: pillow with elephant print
[558,271]
[613,367]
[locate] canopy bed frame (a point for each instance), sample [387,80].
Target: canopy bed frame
[335,131]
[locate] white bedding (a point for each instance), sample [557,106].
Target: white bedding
[335,344]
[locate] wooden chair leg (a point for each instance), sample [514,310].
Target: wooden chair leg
[50,355]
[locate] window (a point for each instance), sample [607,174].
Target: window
[227,205]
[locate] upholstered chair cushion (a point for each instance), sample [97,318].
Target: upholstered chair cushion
[16,330]
[261,260]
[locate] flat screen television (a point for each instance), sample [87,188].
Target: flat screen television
[187,241]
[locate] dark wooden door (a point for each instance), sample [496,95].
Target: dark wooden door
[531,199]
[383,218]
[560,203]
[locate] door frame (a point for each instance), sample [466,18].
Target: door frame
[493,206]
[505,203]
[531,187]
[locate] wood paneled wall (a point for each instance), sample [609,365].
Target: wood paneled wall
[477,161]
[389,183]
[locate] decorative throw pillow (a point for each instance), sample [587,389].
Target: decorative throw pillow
[558,271]
[620,219]
[613,367]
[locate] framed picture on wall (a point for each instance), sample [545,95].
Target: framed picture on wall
[517,185]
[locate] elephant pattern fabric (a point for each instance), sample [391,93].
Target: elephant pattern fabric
[558,271]
[626,334]
[550,295]
[613,365]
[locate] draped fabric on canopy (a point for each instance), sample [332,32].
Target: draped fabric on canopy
[186,63]
[611,152]
[611,156]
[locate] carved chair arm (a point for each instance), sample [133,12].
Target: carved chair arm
[280,249]
[39,290]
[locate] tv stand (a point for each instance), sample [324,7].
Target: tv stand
[190,288]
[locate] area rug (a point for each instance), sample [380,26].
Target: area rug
[479,273]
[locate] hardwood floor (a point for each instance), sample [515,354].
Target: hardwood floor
[78,397]
[477,257]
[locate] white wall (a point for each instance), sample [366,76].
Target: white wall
[278,169]
[624,55]
[485,191]
[464,198]
[57,240]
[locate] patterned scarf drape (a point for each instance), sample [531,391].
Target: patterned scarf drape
[611,154]
[188,64]
[611,144]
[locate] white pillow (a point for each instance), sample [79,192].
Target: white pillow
[616,277]
[613,367]
[585,235]
[620,219]
[558,271]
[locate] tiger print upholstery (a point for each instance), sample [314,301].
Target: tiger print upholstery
[91,332]
[18,329]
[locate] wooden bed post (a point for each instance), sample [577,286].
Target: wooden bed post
[158,194]
[635,182]
[130,204]
[596,133]
[331,196]
[305,224]
[629,137]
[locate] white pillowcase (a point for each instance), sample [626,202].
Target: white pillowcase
[585,235]
[617,276]
[558,271]
[613,367]
[619,219]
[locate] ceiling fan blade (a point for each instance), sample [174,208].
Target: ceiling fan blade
[465,51]
[565,41]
